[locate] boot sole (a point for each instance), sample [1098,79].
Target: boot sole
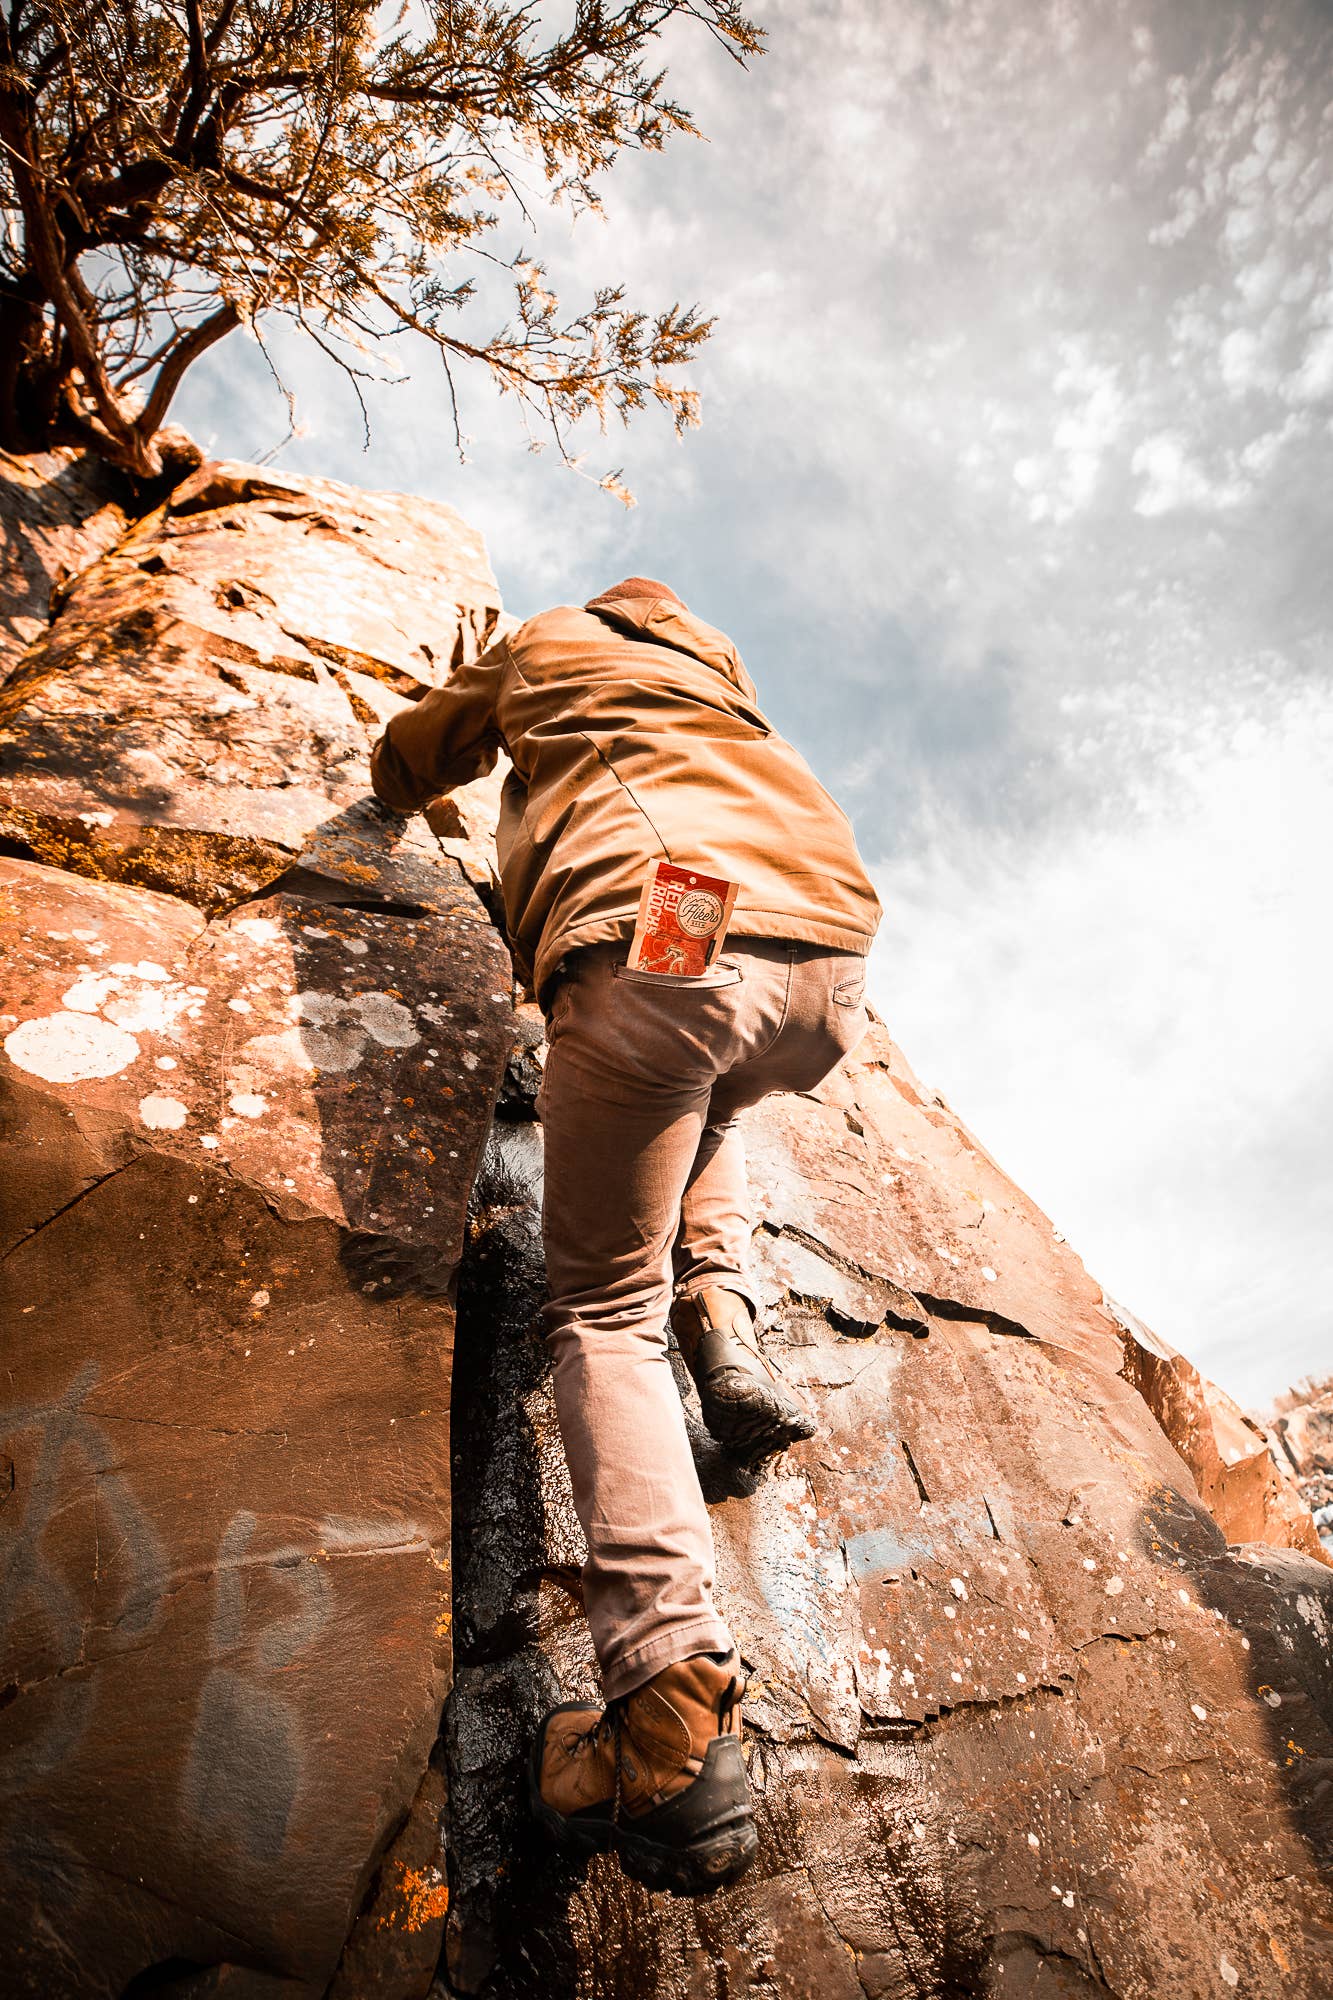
[694,1868]
[692,1871]
[750,1433]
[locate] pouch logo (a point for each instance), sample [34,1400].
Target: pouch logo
[699,913]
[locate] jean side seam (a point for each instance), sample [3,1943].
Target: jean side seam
[782,1018]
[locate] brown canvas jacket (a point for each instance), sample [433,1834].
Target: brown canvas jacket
[635,738]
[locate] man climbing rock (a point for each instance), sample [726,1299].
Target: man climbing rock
[691,911]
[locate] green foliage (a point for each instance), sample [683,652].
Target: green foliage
[172,169]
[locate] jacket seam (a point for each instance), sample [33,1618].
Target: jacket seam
[602,758]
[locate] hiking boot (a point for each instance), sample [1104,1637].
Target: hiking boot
[747,1406]
[657,1776]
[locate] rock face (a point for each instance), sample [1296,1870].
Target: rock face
[1243,1474]
[238,1128]
[195,720]
[61,510]
[1305,1437]
[1023,1721]
[1039,1637]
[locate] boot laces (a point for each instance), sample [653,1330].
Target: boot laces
[609,1723]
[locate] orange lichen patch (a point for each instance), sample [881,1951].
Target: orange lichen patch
[421,1897]
[1280,1959]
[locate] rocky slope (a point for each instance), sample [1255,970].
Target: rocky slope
[1042,1673]
[1304,1433]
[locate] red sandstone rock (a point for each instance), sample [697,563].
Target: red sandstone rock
[1039,1705]
[1307,1435]
[236,1145]
[234,1179]
[1304,1433]
[198,712]
[1021,1720]
[61,511]
[1247,1487]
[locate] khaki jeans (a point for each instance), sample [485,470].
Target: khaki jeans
[646,1193]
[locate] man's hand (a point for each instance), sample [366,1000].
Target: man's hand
[444,818]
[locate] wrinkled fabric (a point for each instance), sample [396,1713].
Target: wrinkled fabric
[645,1192]
[635,737]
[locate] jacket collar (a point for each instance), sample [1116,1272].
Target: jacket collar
[665,621]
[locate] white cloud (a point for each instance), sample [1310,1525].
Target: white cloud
[1134,1018]
[1241,367]
[1173,479]
[1009,492]
[1313,380]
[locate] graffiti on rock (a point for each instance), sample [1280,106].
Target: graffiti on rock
[73,1462]
[245,1762]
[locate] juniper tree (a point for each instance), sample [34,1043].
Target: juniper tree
[173,169]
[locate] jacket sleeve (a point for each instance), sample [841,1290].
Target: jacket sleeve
[448,738]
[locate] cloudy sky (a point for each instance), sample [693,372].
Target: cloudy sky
[1013,489]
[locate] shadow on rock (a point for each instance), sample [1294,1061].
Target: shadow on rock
[1279,1715]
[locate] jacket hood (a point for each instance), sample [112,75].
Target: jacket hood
[665,621]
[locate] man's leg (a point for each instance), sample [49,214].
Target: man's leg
[746,1404]
[713,1242]
[623,1106]
[658,1774]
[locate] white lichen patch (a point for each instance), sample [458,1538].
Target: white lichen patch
[283,1054]
[142,997]
[1312,1611]
[387,1019]
[248,1104]
[335,1032]
[260,930]
[86,995]
[331,1033]
[162,1114]
[70,1047]
[146,969]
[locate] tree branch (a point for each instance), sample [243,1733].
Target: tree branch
[188,348]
